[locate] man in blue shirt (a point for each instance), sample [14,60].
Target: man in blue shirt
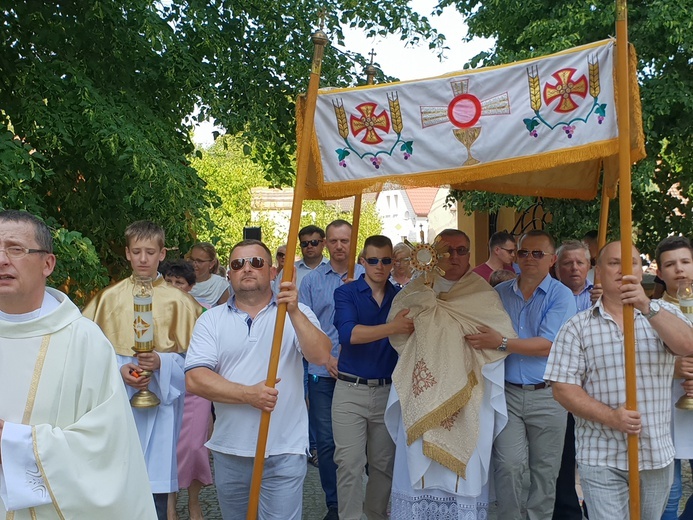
[317,291]
[365,365]
[538,306]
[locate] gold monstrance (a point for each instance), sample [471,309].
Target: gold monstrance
[425,257]
[143,324]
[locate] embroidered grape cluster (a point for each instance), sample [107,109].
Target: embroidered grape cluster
[376,161]
[407,155]
[600,119]
[569,130]
[343,163]
[533,133]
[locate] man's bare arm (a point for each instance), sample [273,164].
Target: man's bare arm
[576,400]
[208,384]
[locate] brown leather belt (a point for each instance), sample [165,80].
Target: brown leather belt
[538,386]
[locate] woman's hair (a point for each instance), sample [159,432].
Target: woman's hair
[210,251]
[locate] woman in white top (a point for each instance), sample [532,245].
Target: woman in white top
[209,287]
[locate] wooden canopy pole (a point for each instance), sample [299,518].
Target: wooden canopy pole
[603,225]
[319,40]
[624,164]
[358,199]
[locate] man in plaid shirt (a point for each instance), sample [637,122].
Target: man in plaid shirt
[586,368]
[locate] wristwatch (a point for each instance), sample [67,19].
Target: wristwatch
[503,346]
[654,310]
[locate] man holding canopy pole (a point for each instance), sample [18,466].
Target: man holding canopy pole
[226,363]
[586,367]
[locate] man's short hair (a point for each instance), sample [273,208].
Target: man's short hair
[252,242]
[539,233]
[180,269]
[378,241]
[42,234]
[501,275]
[590,236]
[671,244]
[499,239]
[601,250]
[449,232]
[337,223]
[311,230]
[145,230]
[573,245]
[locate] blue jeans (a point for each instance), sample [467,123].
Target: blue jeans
[320,391]
[672,510]
[281,491]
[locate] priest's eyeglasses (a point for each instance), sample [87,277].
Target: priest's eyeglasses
[374,261]
[459,251]
[20,252]
[256,262]
[537,255]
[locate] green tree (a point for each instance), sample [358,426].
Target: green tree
[231,175]
[662,33]
[98,100]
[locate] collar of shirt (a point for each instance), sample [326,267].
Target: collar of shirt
[231,303]
[544,286]
[362,286]
[300,264]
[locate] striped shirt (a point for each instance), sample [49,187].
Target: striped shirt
[588,352]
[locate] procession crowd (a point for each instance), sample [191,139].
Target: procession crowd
[449,386]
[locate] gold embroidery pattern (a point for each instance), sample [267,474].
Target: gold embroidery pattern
[449,422]
[35,379]
[422,378]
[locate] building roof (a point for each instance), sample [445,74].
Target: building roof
[421,199]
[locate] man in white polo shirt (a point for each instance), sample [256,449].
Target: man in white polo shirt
[227,363]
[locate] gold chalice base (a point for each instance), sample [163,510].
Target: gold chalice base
[684,403]
[145,398]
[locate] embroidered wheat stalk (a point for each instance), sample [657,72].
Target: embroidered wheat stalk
[534,87]
[342,124]
[593,66]
[395,112]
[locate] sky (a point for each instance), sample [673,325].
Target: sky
[404,62]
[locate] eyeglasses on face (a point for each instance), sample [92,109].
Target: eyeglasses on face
[256,262]
[314,243]
[402,261]
[281,255]
[459,251]
[20,252]
[537,255]
[374,261]
[510,251]
[199,261]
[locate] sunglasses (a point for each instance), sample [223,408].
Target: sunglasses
[374,261]
[459,251]
[281,255]
[256,262]
[306,243]
[537,255]
[510,251]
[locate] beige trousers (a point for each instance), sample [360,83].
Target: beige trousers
[360,436]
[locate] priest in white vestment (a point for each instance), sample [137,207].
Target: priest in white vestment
[68,443]
[447,403]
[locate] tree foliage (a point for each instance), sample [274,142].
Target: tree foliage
[662,33]
[98,100]
[231,175]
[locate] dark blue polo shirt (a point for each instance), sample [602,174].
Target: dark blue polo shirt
[354,305]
